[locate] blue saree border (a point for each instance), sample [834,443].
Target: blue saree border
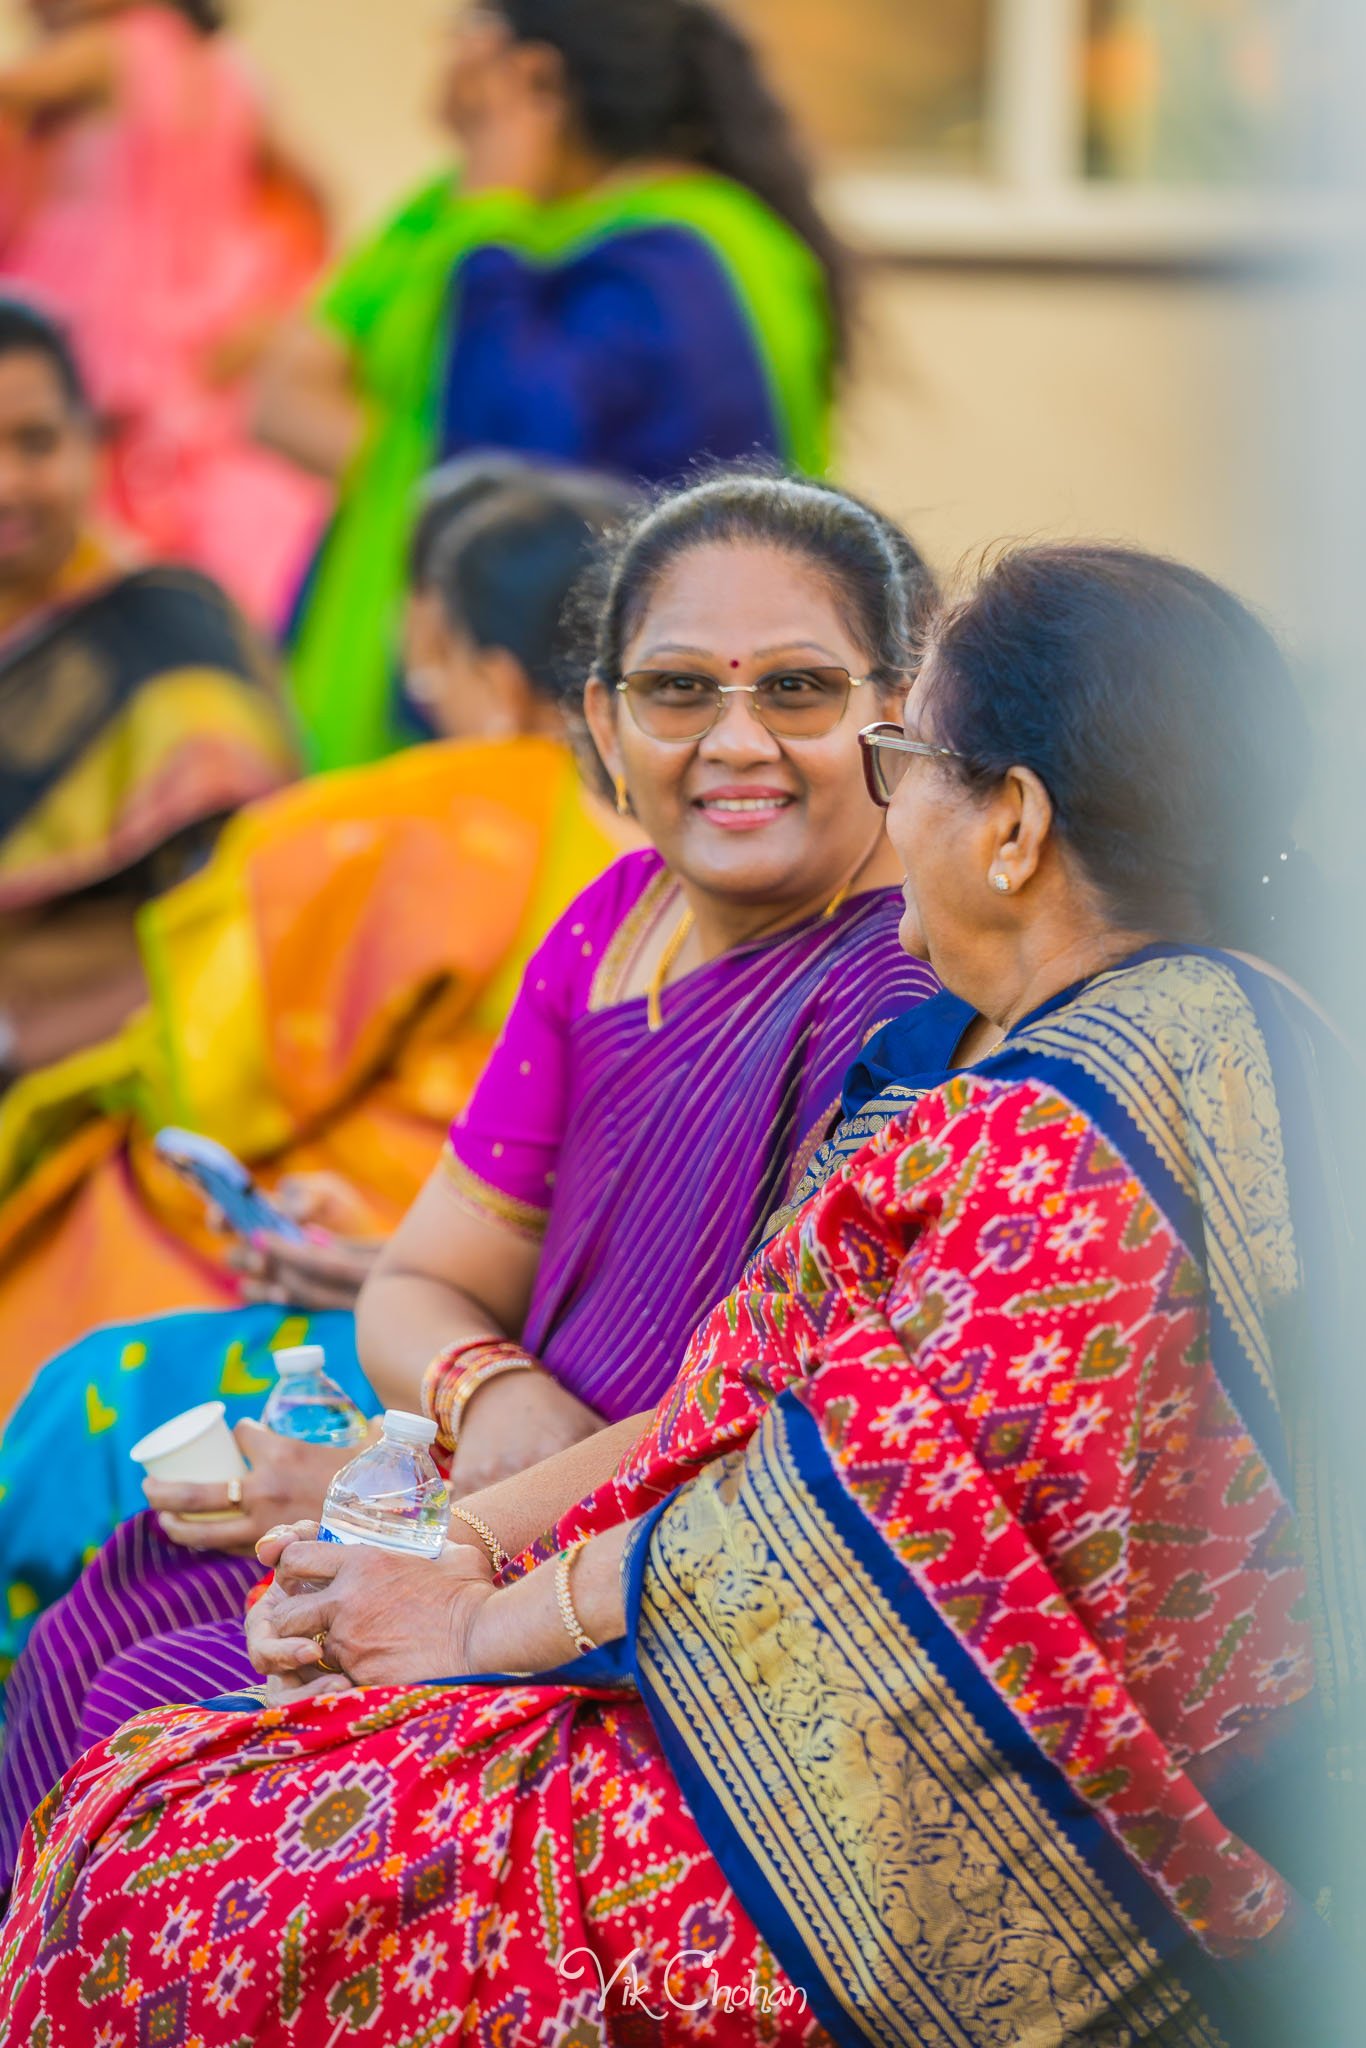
[1275,1979]
[1255,1402]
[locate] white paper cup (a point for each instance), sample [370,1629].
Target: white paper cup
[196,1447]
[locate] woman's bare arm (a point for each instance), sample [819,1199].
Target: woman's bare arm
[306,403]
[77,68]
[520,1509]
[445,1277]
[448,1276]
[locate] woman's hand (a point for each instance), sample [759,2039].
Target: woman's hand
[288,1480]
[385,1618]
[515,1421]
[329,1270]
[290,1667]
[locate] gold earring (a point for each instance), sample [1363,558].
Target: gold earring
[623,800]
[1001,882]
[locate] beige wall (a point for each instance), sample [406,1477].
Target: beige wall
[1009,405]
[351,81]
[985,405]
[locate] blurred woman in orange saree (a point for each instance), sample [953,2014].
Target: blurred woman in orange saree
[324,993]
[143,199]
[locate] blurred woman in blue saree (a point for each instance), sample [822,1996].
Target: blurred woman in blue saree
[630,272]
[970,1646]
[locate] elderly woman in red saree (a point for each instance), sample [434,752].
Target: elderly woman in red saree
[941,1663]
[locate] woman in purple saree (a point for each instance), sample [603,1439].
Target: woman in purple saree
[698,1005]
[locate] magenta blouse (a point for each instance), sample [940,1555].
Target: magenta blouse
[645,1162]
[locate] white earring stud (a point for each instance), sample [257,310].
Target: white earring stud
[1001,882]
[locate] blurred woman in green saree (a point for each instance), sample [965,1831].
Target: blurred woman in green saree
[630,273]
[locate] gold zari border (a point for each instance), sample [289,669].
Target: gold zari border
[1177,1044]
[489,1202]
[621,949]
[922,1875]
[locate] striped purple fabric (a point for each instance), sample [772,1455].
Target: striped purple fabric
[678,1143]
[116,1645]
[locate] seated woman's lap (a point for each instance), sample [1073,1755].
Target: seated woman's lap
[447,1851]
[207,1662]
[139,1590]
[66,1478]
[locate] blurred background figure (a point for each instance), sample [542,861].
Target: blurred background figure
[1192,88]
[630,272]
[145,199]
[136,714]
[324,994]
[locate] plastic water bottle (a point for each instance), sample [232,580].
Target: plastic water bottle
[306,1403]
[392,1494]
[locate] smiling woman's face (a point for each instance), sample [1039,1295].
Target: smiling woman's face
[742,813]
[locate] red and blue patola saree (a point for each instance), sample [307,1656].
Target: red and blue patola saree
[989,1637]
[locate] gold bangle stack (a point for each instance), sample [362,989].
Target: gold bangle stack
[456,1375]
[564,1600]
[498,1557]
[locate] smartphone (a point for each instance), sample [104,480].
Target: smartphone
[223,1180]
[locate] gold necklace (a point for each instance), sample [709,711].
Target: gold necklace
[840,897]
[654,1014]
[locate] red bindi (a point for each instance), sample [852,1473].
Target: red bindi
[735,664]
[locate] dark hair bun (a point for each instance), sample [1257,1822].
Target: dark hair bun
[1161,716]
[508,566]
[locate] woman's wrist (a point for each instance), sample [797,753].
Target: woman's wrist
[491,1644]
[522,1628]
[464,1521]
[459,1372]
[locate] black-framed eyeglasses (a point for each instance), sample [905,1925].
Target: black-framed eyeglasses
[794,703]
[887,755]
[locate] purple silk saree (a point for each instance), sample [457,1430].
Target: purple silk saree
[644,1161]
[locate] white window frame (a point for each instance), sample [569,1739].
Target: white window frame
[1036,203]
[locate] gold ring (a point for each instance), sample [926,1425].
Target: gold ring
[334,1670]
[235,1493]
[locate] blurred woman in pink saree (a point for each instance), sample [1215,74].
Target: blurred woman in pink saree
[147,204]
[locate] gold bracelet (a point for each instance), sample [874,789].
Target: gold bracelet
[498,1557]
[564,1600]
[456,1375]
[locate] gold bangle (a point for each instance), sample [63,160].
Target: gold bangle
[564,1600]
[471,1380]
[498,1557]
[456,1375]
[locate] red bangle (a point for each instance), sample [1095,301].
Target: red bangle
[457,1373]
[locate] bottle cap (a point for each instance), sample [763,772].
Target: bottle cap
[301,1358]
[409,1429]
